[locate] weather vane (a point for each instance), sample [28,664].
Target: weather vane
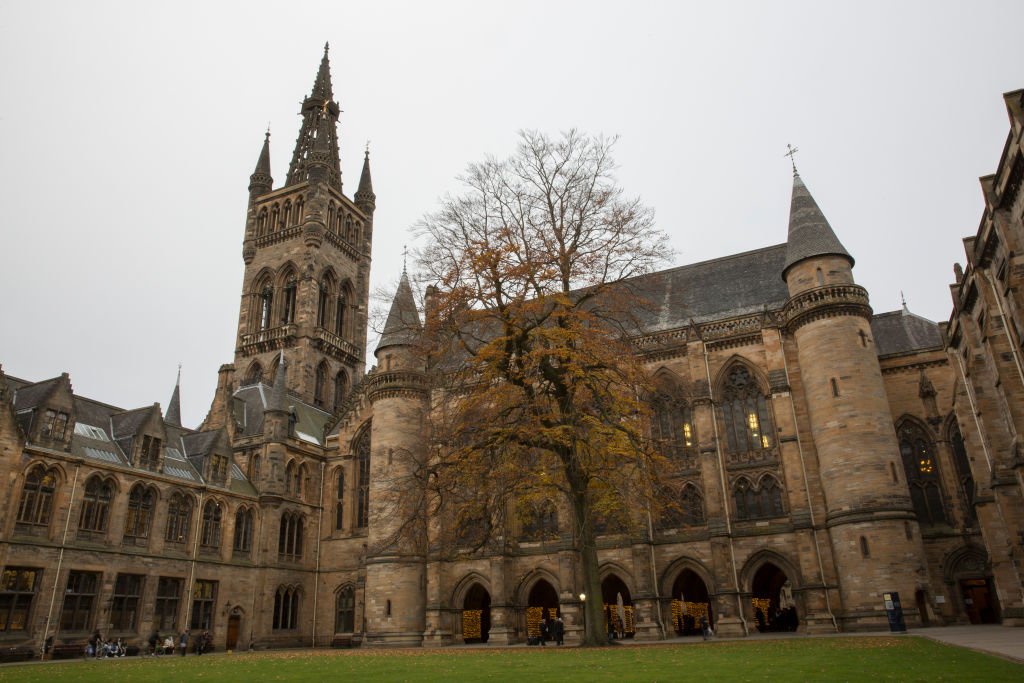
[792,153]
[367,147]
[405,255]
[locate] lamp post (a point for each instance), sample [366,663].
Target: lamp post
[583,608]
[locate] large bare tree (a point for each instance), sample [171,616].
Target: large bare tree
[528,332]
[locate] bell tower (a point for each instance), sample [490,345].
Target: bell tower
[307,263]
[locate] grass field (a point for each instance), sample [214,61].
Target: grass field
[814,659]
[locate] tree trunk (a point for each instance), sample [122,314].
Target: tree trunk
[595,632]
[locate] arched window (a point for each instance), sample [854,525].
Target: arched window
[320,386]
[254,375]
[340,389]
[345,610]
[362,450]
[179,515]
[266,306]
[210,538]
[37,497]
[289,477]
[672,426]
[922,472]
[963,472]
[140,513]
[288,305]
[275,217]
[330,218]
[748,426]
[349,236]
[243,531]
[339,316]
[339,508]
[300,480]
[691,505]
[289,542]
[323,296]
[254,468]
[96,505]
[286,609]
[286,218]
[261,223]
[299,205]
[770,496]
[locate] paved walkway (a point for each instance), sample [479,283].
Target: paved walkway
[1004,641]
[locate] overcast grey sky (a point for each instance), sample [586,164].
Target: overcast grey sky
[128,131]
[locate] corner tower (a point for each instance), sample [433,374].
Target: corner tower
[307,263]
[396,559]
[874,534]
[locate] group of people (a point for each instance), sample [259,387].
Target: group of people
[100,647]
[165,646]
[551,629]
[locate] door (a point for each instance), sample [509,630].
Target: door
[234,621]
[978,602]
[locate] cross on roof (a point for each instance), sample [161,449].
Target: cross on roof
[791,154]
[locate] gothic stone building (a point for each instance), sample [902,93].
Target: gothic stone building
[830,454]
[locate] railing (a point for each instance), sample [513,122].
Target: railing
[803,307]
[269,335]
[278,236]
[337,342]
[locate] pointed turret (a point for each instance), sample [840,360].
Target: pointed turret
[260,182]
[810,235]
[364,196]
[403,325]
[173,415]
[319,112]
[277,394]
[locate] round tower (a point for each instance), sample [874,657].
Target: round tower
[395,560]
[875,540]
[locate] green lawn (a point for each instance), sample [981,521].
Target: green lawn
[811,659]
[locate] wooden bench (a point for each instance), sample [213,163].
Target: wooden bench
[21,653]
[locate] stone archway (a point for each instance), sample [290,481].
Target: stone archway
[541,603]
[690,601]
[970,579]
[476,615]
[618,607]
[772,600]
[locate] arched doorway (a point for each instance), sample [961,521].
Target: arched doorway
[968,569]
[690,601]
[772,600]
[476,615]
[618,607]
[542,603]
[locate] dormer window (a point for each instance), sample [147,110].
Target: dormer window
[149,453]
[54,425]
[218,469]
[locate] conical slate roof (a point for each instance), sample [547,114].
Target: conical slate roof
[322,85]
[403,325]
[810,235]
[261,178]
[364,194]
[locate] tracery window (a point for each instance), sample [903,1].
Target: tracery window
[149,453]
[243,531]
[758,502]
[323,296]
[691,504]
[540,521]
[363,481]
[140,513]
[255,374]
[673,427]
[922,472]
[345,610]
[748,425]
[340,389]
[96,505]
[963,472]
[37,497]
[320,386]
[286,609]
[339,317]
[210,536]
[289,543]
[266,305]
[179,514]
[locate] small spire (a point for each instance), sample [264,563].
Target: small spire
[261,181]
[173,415]
[903,301]
[364,197]
[277,394]
[322,85]
[403,325]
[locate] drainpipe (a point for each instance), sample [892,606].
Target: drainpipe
[650,539]
[316,574]
[807,488]
[60,557]
[725,493]
[192,569]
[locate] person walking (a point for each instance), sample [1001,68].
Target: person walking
[705,629]
[559,631]
[183,642]
[543,631]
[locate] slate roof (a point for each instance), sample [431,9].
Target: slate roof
[810,234]
[403,324]
[901,331]
[727,287]
[250,401]
[31,395]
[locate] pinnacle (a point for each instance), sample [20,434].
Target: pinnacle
[403,325]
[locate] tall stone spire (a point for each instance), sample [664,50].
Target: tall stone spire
[320,105]
[364,196]
[173,415]
[403,325]
[260,182]
[810,235]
